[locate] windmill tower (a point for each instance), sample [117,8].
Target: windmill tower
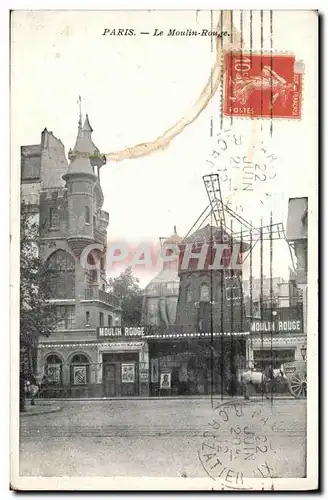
[211,298]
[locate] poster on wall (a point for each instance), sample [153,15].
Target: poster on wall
[128,374]
[53,372]
[144,375]
[80,375]
[154,371]
[165,381]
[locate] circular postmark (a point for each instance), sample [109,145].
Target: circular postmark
[244,166]
[238,444]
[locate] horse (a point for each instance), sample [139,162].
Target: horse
[259,379]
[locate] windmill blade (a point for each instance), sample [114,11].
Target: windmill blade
[213,189]
[203,216]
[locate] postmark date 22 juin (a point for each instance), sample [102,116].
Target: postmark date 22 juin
[234,446]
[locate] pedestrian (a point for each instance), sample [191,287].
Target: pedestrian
[33,388]
[268,376]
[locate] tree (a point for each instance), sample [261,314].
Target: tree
[126,286]
[37,315]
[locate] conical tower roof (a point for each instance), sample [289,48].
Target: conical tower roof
[85,147]
[80,156]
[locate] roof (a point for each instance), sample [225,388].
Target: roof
[297,228]
[84,144]
[83,150]
[174,238]
[166,275]
[212,233]
[87,125]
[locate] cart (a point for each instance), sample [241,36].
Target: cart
[296,375]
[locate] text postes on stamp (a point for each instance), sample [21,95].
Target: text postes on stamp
[262,86]
[238,444]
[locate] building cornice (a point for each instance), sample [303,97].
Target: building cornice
[283,340]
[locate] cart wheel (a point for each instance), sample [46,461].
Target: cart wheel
[298,385]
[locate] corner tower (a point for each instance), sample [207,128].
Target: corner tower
[84,194]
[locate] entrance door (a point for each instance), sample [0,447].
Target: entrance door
[120,374]
[109,380]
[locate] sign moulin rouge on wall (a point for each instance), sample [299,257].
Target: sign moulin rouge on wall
[119,331]
[277,326]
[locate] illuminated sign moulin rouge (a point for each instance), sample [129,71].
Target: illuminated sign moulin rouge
[118,331]
[276,326]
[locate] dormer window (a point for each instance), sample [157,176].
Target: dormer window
[87,215]
[53,217]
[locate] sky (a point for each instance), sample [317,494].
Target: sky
[135,87]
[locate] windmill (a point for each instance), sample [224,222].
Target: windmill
[217,210]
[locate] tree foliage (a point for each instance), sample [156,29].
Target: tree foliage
[37,315]
[126,286]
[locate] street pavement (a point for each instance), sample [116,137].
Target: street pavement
[167,438]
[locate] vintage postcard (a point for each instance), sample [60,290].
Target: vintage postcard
[164,181]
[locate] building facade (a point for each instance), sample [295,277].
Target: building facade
[161,294]
[198,352]
[279,332]
[66,199]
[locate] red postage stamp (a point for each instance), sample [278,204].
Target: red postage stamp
[262,86]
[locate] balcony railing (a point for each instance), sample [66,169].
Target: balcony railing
[95,293]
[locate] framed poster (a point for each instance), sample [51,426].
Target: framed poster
[128,373]
[79,375]
[144,375]
[53,372]
[165,381]
[154,366]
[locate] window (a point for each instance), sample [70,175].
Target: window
[204,293]
[101,319]
[109,319]
[276,357]
[172,287]
[94,222]
[87,318]
[60,275]
[79,370]
[233,288]
[91,275]
[66,317]
[54,218]
[189,293]
[87,215]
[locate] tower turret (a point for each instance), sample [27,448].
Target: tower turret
[80,182]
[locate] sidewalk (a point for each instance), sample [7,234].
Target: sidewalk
[163,398]
[39,409]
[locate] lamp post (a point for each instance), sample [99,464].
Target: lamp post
[303,352]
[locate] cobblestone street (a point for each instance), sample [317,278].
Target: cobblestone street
[165,438]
